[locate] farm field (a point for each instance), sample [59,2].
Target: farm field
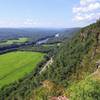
[16,65]
[16,41]
[51,45]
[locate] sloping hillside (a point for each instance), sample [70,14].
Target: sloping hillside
[77,58]
[74,74]
[74,65]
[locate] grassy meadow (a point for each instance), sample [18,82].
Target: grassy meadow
[16,65]
[51,45]
[12,41]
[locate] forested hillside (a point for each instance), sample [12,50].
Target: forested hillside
[33,33]
[69,63]
[74,74]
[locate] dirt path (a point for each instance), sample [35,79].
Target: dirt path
[46,65]
[96,74]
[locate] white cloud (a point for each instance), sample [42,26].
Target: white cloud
[18,23]
[87,10]
[87,17]
[85,2]
[89,7]
[28,22]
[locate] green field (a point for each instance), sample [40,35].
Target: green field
[14,41]
[15,65]
[51,45]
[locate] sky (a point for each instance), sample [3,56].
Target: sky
[48,13]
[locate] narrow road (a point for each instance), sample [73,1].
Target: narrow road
[46,65]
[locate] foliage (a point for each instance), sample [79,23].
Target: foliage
[14,41]
[47,90]
[87,89]
[72,64]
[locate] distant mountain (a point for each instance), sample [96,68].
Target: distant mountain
[63,34]
[68,32]
[33,33]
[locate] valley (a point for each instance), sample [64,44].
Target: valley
[49,49]
[52,67]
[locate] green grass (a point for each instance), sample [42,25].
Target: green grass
[9,42]
[48,45]
[16,65]
[20,40]
[51,45]
[87,89]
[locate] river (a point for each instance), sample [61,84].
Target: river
[42,41]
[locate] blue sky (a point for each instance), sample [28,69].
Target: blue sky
[48,13]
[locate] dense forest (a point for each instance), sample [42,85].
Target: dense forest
[74,69]
[74,73]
